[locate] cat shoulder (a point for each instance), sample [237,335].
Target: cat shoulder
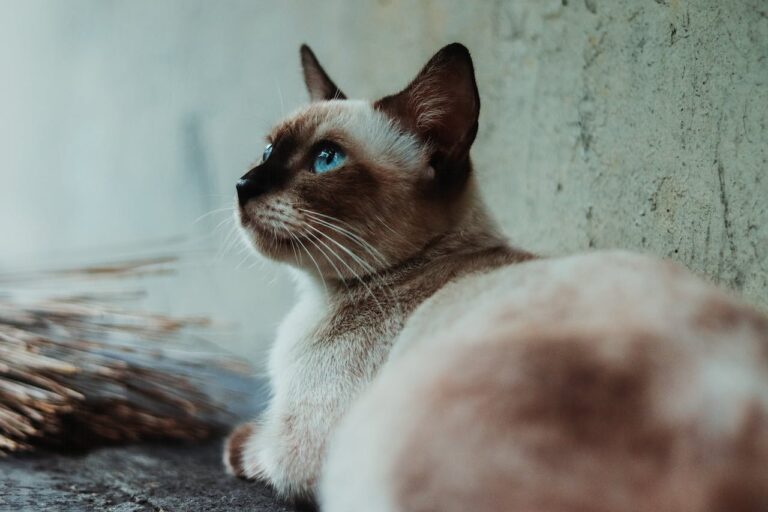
[591,280]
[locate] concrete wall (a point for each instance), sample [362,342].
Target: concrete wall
[605,123]
[637,124]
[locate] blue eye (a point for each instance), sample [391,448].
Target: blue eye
[267,152]
[328,158]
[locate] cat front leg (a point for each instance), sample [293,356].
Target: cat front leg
[240,457]
[283,449]
[291,452]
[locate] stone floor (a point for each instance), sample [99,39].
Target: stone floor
[130,479]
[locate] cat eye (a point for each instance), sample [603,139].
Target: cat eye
[328,158]
[267,152]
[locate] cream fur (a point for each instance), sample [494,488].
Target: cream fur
[377,133]
[712,381]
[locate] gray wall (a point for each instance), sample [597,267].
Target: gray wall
[634,123]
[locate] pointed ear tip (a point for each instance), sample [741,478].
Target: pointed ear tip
[456,49]
[305,50]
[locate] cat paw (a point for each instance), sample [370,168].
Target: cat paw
[234,450]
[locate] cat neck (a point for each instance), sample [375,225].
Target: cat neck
[473,243]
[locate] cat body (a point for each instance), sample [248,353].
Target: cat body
[597,382]
[430,366]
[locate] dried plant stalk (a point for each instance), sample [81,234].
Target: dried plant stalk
[81,371]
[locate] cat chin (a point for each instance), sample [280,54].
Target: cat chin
[292,251]
[266,242]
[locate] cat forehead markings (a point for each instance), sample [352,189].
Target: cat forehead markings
[358,124]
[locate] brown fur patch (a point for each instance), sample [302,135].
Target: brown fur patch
[234,446]
[399,290]
[577,419]
[721,313]
[743,485]
[590,401]
[567,422]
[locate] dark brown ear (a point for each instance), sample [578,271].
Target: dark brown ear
[319,85]
[442,106]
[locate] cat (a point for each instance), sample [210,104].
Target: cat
[429,365]
[373,221]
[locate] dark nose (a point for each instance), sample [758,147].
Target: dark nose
[247,189]
[260,180]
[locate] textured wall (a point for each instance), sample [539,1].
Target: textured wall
[605,123]
[636,124]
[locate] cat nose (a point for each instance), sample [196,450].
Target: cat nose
[260,180]
[248,189]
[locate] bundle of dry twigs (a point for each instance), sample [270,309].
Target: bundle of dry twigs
[81,370]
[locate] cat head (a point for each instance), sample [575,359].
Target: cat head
[346,187]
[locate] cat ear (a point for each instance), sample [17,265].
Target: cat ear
[441,105]
[319,84]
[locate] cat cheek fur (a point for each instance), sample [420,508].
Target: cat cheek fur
[376,197]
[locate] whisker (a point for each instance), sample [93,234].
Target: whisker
[319,272]
[354,237]
[357,277]
[399,236]
[335,268]
[314,216]
[331,250]
[364,264]
[230,241]
[242,261]
[221,224]
[213,212]
[293,245]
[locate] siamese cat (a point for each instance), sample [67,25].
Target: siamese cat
[429,365]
